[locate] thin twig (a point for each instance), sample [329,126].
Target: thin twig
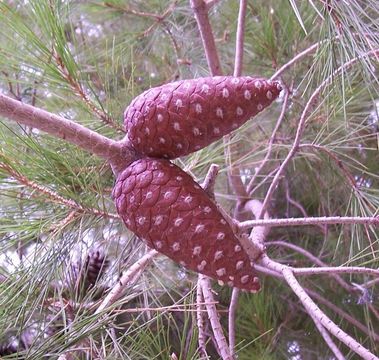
[234,177]
[302,121]
[270,175]
[336,220]
[264,270]
[209,181]
[370,283]
[55,229]
[130,276]
[271,141]
[335,270]
[232,320]
[300,207]
[78,90]
[238,60]
[313,309]
[10,87]
[337,310]
[160,20]
[200,10]
[328,339]
[200,308]
[214,319]
[312,258]
[295,59]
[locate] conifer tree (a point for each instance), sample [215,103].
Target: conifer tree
[295,183]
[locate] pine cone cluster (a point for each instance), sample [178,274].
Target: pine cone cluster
[161,203]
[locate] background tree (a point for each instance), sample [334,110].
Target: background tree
[65,255]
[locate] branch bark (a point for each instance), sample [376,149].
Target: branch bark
[200,10]
[213,318]
[232,320]
[315,311]
[116,152]
[332,220]
[129,277]
[240,37]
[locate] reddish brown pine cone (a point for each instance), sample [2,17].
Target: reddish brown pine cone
[176,119]
[166,208]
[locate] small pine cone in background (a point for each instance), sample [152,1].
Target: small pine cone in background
[167,209]
[83,274]
[179,118]
[95,265]
[12,346]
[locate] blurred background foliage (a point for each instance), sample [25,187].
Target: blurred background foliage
[61,245]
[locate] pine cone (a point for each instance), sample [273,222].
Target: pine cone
[13,346]
[83,274]
[167,209]
[179,118]
[95,265]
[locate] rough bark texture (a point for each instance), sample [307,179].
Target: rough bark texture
[166,208]
[176,119]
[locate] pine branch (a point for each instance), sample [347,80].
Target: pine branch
[295,59]
[313,259]
[200,10]
[53,196]
[232,320]
[332,220]
[200,320]
[303,119]
[344,315]
[233,171]
[317,314]
[214,319]
[116,152]
[332,346]
[240,37]
[335,270]
[285,104]
[288,273]
[129,277]
[147,62]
